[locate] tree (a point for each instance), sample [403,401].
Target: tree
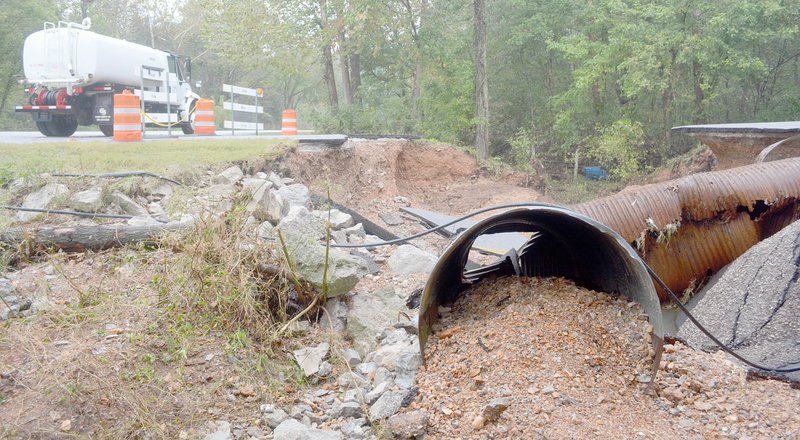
[481,83]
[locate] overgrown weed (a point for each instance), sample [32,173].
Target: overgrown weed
[215,284]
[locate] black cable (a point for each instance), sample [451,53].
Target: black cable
[658,280]
[442,226]
[75,213]
[705,331]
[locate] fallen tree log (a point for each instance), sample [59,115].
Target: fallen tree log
[82,238]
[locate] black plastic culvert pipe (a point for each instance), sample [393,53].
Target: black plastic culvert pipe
[565,244]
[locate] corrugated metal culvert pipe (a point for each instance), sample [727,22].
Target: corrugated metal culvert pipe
[564,244]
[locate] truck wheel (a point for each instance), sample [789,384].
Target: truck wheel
[62,126]
[188,125]
[44,128]
[107,130]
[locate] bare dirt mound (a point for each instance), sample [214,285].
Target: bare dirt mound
[367,175]
[696,161]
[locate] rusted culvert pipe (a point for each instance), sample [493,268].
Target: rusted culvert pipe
[565,244]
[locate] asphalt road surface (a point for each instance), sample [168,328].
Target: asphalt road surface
[33,137]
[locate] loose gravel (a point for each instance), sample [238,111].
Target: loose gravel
[543,358]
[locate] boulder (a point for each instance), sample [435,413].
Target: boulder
[127,204]
[258,190]
[339,220]
[87,201]
[270,207]
[276,180]
[294,195]
[41,199]
[274,416]
[369,314]
[6,288]
[386,406]
[310,358]
[408,259]
[230,175]
[291,429]
[334,315]
[402,358]
[299,221]
[267,232]
[344,270]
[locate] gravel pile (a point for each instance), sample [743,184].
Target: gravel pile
[543,358]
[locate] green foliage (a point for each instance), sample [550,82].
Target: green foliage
[563,74]
[618,148]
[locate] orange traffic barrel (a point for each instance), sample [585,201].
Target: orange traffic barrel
[127,119]
[204,117]
[289,123]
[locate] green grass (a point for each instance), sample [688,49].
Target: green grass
[580,190]
[158,156]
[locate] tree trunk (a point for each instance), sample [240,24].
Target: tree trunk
[9,85]
[327,55]
[355,74]
[82,238]
[345,68]
[699,95]
[481,84]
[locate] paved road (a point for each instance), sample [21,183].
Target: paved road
[747,127]
[32,137]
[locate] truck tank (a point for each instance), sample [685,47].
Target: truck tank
[66,56]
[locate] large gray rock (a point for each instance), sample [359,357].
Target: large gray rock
[386,406]
[274,417]
[334,315]
[291,429]
[230,175]
[270,207]
[754,305]
[6,288]
[258,190]
[276,180]
[41,199]
[409,259]
[339,220]
[87,201]
[344,270]
[310,358]
[294,195]
[401,357]
[369,314]
[127,204]
[300,221]
[11,303]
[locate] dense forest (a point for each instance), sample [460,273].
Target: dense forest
[529,78]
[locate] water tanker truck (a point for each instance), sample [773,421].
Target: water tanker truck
[72,74]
